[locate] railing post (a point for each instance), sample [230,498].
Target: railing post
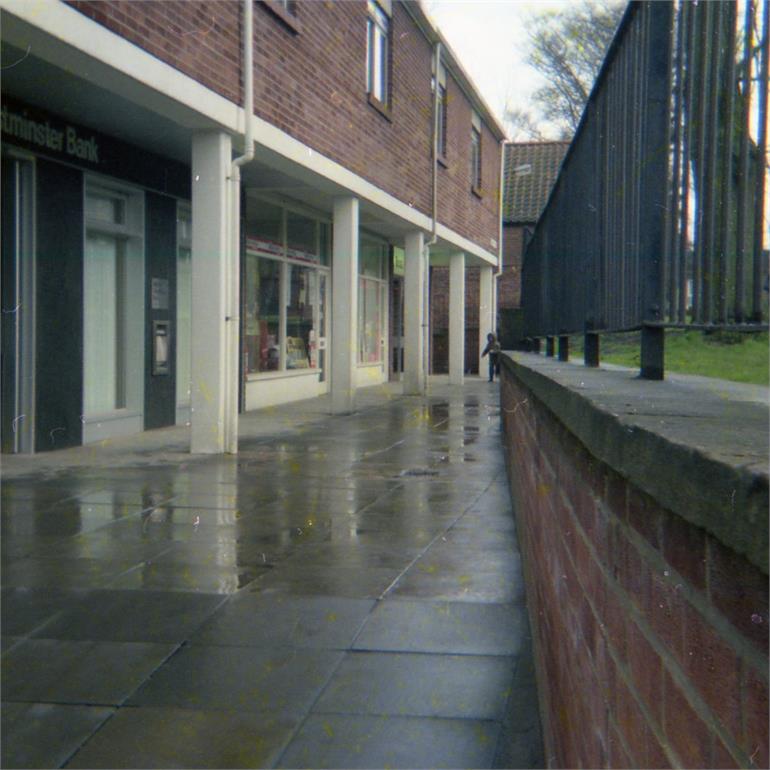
[549,346]
[653,338]
[654,183]
[563,348]
[591,349]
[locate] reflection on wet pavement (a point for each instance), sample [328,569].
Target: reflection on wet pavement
[344,594]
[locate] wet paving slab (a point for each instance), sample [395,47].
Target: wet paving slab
[346,592]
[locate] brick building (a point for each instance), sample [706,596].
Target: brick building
[529,171]
[216,206]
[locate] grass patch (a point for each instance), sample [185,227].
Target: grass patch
[739,357]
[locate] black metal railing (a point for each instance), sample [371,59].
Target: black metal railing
[658,215]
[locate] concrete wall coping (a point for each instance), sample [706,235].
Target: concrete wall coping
[699,446]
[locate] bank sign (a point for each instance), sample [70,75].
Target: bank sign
[57,138]
[51,136]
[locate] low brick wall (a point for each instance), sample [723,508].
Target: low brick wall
[650,630]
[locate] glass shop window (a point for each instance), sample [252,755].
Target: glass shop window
[263,315]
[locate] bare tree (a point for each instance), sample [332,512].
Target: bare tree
[567,48]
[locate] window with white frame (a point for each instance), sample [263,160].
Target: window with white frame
[287,257]
[476,152]
[372,297]
[113,299]
[377,53]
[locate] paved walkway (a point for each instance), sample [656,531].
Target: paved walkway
[345,593]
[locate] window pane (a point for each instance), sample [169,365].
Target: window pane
[369,55]
[299,317]
[262,338]
[371,258]
[184,229]
[377,61]
[369,320]
[106,208]
[442,120]
[302,237]
[101,346]
[475,158]
[322,326]
[264,226]
[377,53]
[325,242]
[383,66]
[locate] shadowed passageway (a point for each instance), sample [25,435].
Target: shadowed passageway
[345,593]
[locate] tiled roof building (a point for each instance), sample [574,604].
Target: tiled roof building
[529,172]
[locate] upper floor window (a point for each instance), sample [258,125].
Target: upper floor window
[441,106]
[476,152]
[286,11]
[377,53]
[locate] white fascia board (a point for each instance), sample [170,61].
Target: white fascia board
[465,245]
[128,66]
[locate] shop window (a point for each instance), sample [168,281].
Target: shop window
[301,282]
[302,237]
[183,305]
[284,288]
[264,227]
[325,242]
[263,315]
[377,53]
[369,321]
[372,285]
[113,302]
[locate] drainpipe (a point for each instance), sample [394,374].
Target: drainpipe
[434,222]
[234,255]
[499,275]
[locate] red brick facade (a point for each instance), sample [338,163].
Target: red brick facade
[509,284]
[311,83]
[651,636]
[439,320]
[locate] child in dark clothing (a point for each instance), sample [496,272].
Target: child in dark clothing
[493,348]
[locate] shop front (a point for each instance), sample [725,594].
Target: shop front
[287,304]
[95,323]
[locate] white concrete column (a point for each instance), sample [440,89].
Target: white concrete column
[211,158]
[456,318]
[486,310]
[414,284]
[344,342]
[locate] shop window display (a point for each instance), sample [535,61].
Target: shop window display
[372,261]
[284,289]
[263,338]
[300,337]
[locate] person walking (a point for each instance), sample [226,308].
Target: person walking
[493,348]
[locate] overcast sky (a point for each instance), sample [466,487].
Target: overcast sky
[489,38]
